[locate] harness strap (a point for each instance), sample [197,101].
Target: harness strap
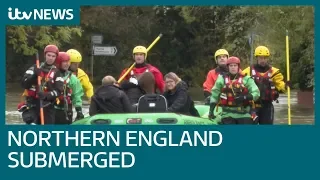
[234,111]
[147,70]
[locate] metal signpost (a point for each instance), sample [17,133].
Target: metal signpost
[96,39]
[104,50]
[100,50]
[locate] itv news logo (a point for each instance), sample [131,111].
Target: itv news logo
[40,14]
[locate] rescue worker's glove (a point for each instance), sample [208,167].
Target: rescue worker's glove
[69,115]
[29,116]
[211,114]
[133,81]
[276,96]
[206,94]
[207,101]
[288,84]
[239,99]
[37,71]
[47,96]
[22,107]
[79,113]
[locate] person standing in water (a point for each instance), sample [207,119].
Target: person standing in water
[221,56]
[235,93]
[270,82]
[71,95]
[50,88]
[75,60]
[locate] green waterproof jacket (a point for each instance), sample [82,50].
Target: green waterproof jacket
[253,89]
[77,90]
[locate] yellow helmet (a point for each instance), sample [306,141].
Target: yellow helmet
[220,52]
[262,51]
[140,49]
[75,56]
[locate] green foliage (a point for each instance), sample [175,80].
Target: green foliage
[191,36]
[299,21]
[27,39]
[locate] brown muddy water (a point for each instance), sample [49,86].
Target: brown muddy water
[299,113]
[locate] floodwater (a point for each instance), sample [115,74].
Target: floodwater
[299,113]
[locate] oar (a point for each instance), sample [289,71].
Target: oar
[288,76]
[39,86]
[251,52]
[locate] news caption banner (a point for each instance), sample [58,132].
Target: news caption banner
[145,152]
[35,158]
[183,151]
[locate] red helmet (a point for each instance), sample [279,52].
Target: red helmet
[62,57]
[51,48]
[233,60]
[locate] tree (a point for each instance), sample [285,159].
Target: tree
[191,35]
[27,39]
[24,41]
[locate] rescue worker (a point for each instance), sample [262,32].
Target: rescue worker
[109,98]
[75,60]
[234,92]
[71,95]
[270,82]
[220,56]
[178,99]
[134,93]
[51,87]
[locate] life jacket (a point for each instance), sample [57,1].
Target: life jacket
[137,76]
[134,75]
[65,98]
[232,90]
[266,86]
[47,82]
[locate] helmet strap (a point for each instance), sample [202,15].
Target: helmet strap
[223,67]
[46,63]
[62,70]
[141,65]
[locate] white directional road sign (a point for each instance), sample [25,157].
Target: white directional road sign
[105,50]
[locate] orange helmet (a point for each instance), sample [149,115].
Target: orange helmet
[62,57]
[234,60]
[51,48]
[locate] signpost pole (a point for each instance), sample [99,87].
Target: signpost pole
[92,59]
[97,49]
[95,39]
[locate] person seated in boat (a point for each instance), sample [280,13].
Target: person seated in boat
[177,96]
[146,85]
[109,98]
[132,90]
[157,101]
[235,93]
[131,84]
